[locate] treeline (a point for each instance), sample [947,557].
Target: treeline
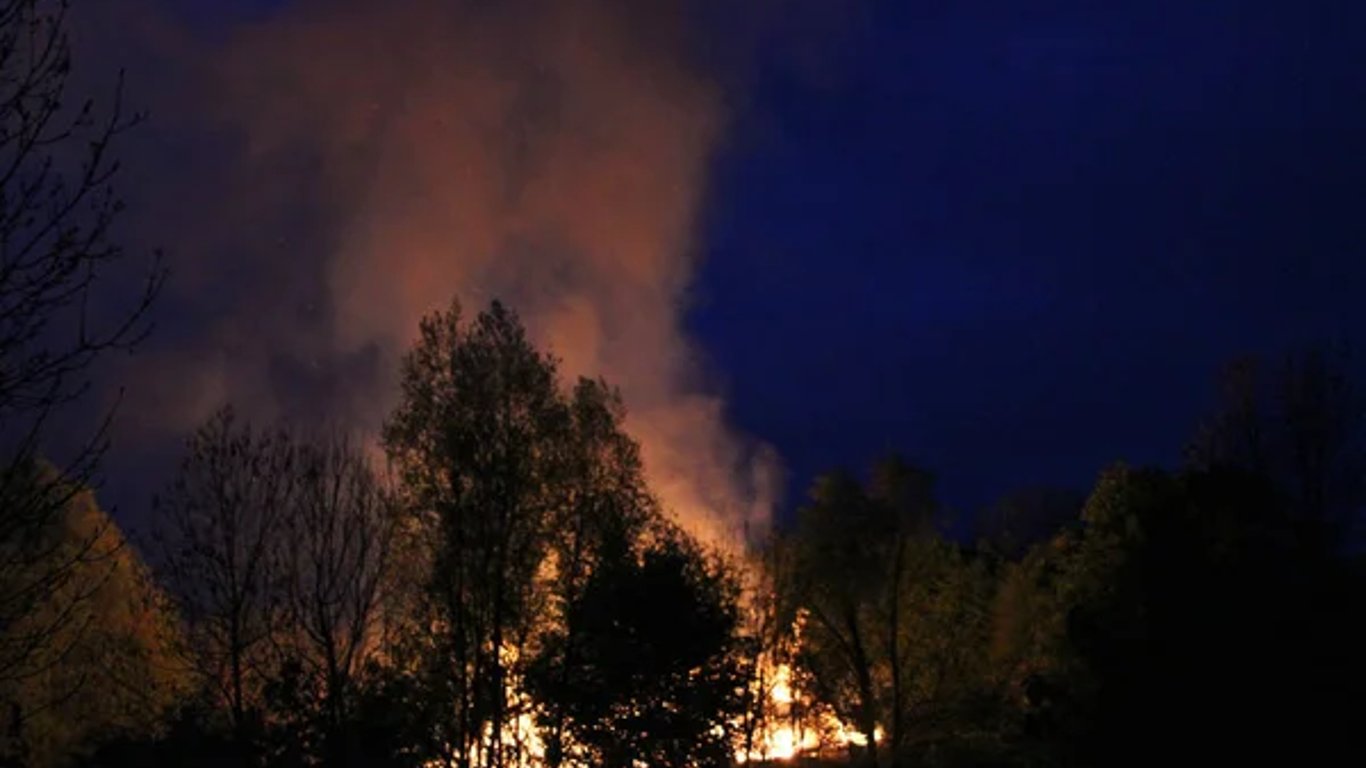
[1213,614]
[508,593]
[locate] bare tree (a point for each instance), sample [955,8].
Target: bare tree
[768,648]
[218,526]
[1323,426]
[1239,432]
[335,546]
[1301,424]
[57,269]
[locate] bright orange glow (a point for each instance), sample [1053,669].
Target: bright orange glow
[783,744]
[789,736]
[782,691]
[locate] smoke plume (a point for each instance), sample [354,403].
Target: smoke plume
[369,161]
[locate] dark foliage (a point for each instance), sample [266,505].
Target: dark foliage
[653,672]
[1206,623]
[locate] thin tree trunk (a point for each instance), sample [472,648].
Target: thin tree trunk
[894,650]
[867,708]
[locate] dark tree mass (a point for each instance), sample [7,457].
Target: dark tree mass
[511,569]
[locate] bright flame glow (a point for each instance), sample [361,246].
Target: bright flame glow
[784,738]
[782,691]
[790,735]
[783,744]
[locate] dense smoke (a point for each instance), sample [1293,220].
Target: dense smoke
[372,160]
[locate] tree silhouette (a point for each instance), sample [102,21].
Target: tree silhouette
[57,268]
[604,496]
[476,441]
[334,545]
[837,585]
[1025,517]
[219,529]
[1301,424]
[1187,616]
[893,620]
[654,675]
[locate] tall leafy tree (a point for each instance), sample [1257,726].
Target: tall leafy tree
[838,582]
[542,544]
[893,621]
[477,442]
[603,498]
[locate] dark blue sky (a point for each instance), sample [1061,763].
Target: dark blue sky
[1015,240]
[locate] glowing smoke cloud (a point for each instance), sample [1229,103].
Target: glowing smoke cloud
[377,159]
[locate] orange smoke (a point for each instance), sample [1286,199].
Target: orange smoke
[549,153]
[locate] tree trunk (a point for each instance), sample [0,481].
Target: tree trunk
[867,705]
[894,651]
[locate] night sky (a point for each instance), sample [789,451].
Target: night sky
[1015,240]
[1012,241]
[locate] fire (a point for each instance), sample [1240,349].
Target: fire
[782,690]
[792,733]
[783,744]
[785,737]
